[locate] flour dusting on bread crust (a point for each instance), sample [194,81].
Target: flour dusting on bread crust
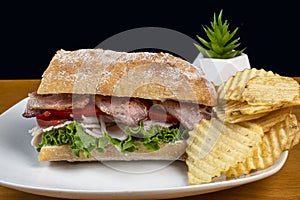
[98,71]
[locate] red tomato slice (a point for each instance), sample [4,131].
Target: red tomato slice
[60,114]
[55,117]
[46,122]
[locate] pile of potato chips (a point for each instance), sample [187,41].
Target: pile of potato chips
[254,124]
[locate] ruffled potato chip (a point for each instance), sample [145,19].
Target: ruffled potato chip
[237,118]
[215,146]
[233,88]
[237,108]
[265,90]
[272,118]
[280,137]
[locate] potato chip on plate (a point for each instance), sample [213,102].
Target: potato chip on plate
[272,118]
[233,88]
[282,136]
[215,146]
[237,118]
[237,108]
[267,90]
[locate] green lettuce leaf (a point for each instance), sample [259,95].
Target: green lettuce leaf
[155,136]
[79,141]
[126,146]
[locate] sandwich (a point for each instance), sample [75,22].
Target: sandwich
[103,105]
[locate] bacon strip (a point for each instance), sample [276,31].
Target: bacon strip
[124,110]
[187,113]
[54,101]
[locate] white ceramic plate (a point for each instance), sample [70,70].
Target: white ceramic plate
[20,170]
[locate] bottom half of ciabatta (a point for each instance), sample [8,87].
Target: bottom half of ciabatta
[169,151]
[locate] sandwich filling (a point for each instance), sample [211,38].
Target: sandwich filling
[90,122]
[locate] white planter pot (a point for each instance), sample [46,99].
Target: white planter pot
[219,70]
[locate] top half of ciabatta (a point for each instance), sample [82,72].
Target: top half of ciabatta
[156,76]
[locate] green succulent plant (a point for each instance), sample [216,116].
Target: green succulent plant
[221,43]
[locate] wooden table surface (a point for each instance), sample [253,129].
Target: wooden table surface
[285,184]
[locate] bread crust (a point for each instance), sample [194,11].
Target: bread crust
[157,76]
[170,151]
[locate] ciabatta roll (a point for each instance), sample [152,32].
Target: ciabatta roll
[95,104]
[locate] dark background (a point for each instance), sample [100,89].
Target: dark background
[32,33]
